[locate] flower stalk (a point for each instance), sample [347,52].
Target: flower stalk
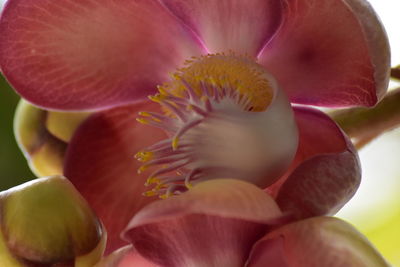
[395,73]
[365,124]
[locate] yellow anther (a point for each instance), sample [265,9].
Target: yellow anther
[189,107]
[160,186]
[162,90]
[142,120]
[142,169]
[175,141]
[149,193]
[198,78]
[188,185]
[176,76]
[148,115]
[144,156]
[204,98]
[152,98]
[156,98]
[138,155]
[212,81]
[165,196]
[152,180]
[144,114]
[223,70]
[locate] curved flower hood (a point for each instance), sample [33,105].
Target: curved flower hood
[237,228]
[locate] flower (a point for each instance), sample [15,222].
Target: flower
[199,228]
[106,56]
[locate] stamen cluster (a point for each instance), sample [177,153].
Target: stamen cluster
[210,90]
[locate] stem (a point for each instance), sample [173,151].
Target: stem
[365,124]
[395,73]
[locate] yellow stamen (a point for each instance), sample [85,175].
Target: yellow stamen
[157,98]
[142,120]
[160,186]
[148,115]
[165,196]
[161,90]
[213,82]
[142,169]
[144,156]
[144,114]
[218,71]
[206,84]
[152,180]
[175,143]
[149,193]
[188,185]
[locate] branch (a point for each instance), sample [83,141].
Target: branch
[395,73]
[365,124]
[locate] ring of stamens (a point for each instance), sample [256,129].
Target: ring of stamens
[204,87]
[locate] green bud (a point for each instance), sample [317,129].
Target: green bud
[63,124]
[43,136]
[46,221]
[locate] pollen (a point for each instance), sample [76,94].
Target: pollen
[220,72]
[144,156]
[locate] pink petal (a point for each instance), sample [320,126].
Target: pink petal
[316,242]
[325,173]
[330,53]
[100,163]
[241,26]
[90,54]
[268,252]
[213,224]
[134,259]
[125,257]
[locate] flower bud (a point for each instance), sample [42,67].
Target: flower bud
[43,136]
[46,222]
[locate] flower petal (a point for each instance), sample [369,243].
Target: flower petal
[90,54]
[125,257]
[315,242]
[213,224]
[325,173]
[330,53]
[241,26]
[100,163]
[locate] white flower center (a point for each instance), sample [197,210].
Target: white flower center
[227,118]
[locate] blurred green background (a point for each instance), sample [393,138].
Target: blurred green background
[13,166]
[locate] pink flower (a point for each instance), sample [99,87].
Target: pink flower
[237,226]
[107,56]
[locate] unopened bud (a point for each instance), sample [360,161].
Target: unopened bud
[46,221]
[43,136]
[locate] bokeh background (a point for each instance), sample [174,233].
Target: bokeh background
[374,210]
